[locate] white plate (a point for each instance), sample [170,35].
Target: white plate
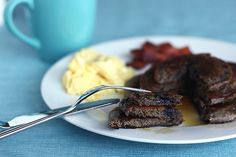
[96,120]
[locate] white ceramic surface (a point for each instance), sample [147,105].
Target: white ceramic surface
[96,120]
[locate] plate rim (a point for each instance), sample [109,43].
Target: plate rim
[134,139]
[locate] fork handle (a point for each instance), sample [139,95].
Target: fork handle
[22,127]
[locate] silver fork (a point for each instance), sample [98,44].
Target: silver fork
[88,93]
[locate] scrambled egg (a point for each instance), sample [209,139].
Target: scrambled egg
[89,69]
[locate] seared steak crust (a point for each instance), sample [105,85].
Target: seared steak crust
[117,119]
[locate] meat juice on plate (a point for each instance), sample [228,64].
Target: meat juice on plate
[190,115]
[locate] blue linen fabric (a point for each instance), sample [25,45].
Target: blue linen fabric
[21,72]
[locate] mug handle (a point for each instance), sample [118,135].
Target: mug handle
[8,17]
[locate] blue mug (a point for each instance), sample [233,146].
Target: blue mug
[58,26]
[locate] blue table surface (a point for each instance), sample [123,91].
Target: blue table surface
[21,72]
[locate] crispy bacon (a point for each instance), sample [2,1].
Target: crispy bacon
[151,53]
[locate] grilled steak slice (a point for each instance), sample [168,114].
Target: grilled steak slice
[117,119]
[173,70]
[226,94]
[212,98]
[153,99]
[131,108]
[219,113]
[173,74]
[148,82]
[209,72]
[231,86]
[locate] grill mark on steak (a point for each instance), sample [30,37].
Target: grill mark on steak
[209,72]
[216,97]
[146,110]
[117,119]
[219,113]
[153,99]
[131,108]
[222,95]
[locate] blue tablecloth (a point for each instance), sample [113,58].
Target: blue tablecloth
[21,72]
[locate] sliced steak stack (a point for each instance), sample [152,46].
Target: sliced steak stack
[168,76]
[208,81]
[138,110]
[215,89]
